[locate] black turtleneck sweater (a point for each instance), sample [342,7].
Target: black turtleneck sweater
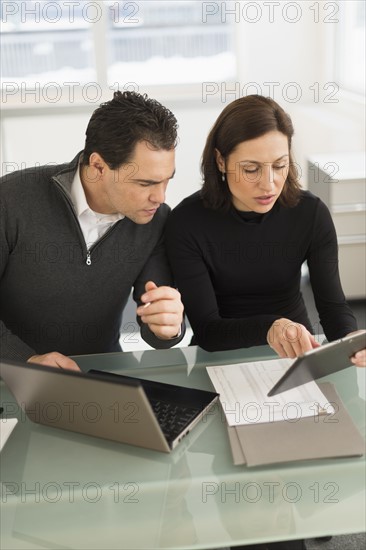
[238,272]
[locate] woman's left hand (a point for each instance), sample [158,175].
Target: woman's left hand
[359,358]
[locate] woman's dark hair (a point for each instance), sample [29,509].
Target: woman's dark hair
[117,125]
[246,118]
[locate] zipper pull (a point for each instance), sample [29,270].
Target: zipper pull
[88,258]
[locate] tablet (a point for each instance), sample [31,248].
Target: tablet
[320,362]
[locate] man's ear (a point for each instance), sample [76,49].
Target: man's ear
[219,161]
[98,163]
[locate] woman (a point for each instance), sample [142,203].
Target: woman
[237,246]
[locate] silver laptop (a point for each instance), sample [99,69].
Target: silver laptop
[139,412]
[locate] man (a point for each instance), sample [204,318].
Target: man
[75,238]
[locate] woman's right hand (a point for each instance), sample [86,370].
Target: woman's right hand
[290,339]
[54,359]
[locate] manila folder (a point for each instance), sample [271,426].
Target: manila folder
[321,436]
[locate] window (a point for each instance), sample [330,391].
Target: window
[148,42]
[43,42]
[350,46]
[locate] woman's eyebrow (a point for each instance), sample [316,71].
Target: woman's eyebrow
[257,161]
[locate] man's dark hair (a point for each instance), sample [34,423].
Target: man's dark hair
[244,119]
[119,124]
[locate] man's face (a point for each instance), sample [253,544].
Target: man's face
[137,189]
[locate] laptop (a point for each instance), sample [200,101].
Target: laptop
[322,361]
[121,408]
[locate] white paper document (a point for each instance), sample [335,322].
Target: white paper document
[7,425]
[243,389]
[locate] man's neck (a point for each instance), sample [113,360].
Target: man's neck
[93,191]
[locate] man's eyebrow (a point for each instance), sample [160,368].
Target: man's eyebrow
[151,182]
[257,162]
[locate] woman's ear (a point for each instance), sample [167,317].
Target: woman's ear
[219,161]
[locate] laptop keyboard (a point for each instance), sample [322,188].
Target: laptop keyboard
[172,418]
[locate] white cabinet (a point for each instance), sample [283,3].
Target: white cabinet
[339,180]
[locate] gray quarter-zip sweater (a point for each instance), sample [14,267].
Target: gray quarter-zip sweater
[55,295]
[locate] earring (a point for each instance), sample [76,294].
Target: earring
[223,176]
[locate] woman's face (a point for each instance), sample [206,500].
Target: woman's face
[256,171]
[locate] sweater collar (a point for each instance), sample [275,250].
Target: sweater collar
[66,175]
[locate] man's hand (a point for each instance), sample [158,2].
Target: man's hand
[359,358]
[163,310]
[54,359]
[290,339]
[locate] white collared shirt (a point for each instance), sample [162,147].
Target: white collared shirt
[93,224]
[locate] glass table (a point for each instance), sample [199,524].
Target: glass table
[65,490]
